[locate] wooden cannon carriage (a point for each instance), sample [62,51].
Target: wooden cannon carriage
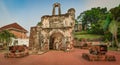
[98,53]
[17,51]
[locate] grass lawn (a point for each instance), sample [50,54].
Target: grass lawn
[85,35]
[88,36]
[112,48]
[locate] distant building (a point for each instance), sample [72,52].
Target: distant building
[16,29]
[78,26]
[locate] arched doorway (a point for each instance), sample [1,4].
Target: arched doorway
[56,41]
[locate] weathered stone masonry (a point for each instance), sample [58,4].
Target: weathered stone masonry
[55,32]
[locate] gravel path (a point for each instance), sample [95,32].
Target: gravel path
[58,58]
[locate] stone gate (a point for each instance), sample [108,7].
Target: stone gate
[55,31]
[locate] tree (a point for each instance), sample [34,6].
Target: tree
[111,23]
[116,13]
[113,28]
[5,37]
[92,16]
[115,19]
[107,22]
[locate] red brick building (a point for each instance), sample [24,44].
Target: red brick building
[16,29]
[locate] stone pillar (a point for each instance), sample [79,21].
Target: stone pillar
[54,6]
[53,12]
[59,11]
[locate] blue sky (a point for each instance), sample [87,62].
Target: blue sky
[28,13]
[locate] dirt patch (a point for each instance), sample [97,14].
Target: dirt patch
[58,58]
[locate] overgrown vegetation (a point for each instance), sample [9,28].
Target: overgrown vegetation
[99,22]
[5,37]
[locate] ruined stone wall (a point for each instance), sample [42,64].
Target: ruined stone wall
[54,27]
[59,21]
[33,33]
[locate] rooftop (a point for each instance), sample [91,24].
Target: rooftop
[13,26]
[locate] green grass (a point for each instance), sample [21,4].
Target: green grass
[80,33]
[88,36]
[85,35]
[112,48]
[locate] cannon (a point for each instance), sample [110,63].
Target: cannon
[17,51]
[98,52]
[100,49]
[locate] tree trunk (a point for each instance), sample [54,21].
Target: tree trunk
[112,40]
[116,41]
[85,27]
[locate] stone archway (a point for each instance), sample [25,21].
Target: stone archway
[56,41]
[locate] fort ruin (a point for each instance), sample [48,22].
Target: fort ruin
[55,31]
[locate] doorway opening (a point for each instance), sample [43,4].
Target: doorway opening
[56,40]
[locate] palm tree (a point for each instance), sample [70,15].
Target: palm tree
[113,28]
[116,18]
[5,37]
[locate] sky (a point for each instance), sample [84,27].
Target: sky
[28,13]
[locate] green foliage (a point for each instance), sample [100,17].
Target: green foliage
[116,13]
[5,36]
[39,23]
[107,22]
[113,27]
[107,36]
[92,17]
[76,22]
[96,29]
[119,34]
[102,22]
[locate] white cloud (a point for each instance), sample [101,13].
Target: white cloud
[102,3]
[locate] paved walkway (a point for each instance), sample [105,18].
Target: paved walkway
[58,58]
